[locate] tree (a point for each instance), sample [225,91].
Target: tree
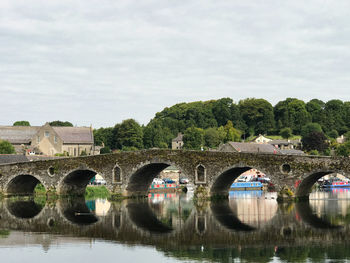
[104,136]
[291,113]
[128,134]
[61,124]
[230,133]
[315,141]
[211,138]
[343,149]
[310,127]
[333,134]
[105,150]
[257,114]
[334,111]
[316,109]
[6,147]
[193,138]
[286,133]
[21,123]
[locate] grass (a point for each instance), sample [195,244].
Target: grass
[92,192]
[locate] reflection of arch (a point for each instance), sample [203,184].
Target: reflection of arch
[307,216]
[223,213]
[201,224]
[117,174]
[75,182]
[76,211]
[224,181]
[142,216]
[23,184]
[142,178]
[305,186]
[24,209]
[200,174]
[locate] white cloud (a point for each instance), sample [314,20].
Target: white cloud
[104,61]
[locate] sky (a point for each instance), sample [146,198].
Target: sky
[98,62]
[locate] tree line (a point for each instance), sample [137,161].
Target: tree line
[209,123]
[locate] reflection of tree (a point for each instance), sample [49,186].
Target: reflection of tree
[293,254]
[338,252]
[4,233]
[317,254]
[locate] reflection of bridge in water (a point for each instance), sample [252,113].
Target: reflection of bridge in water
[136,222]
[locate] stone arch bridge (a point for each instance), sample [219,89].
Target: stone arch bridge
[131,173]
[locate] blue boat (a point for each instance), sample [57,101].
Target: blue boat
[335,183]
[247,186]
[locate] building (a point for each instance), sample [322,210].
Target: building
[261,139]
[47,140]
[286,144]
[248,147]
[177,143]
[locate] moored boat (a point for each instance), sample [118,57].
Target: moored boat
[247,186]
[335,183]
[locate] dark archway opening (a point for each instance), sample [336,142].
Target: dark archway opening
[142,216]
[76,211]
[24,209]
[141,180]
[75,183]
[304,210]
[225,216]
[22,185]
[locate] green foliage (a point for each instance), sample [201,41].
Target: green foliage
[286,133]
[333,134]
[61,124]
[309,128]
[6,148]
[128,135]
[343,149]
[314,152]
[211,138]
[193,138]
[104,136]
[291,113]
[21,123]
[83,153]
[39,190]
[315,141]
[92,192]
[105,150]
[258,115]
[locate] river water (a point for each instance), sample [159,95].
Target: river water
[249,227]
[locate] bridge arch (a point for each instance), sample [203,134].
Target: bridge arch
[75,181]
[305,186]
[142,176]
[23,184]
[225,178]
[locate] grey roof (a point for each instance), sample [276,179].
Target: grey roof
[292,152]
[12,158]
[18,134]
[75,134]
[253,147]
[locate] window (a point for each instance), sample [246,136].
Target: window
[47,134]
[37,139]
[117,174]
[55,139]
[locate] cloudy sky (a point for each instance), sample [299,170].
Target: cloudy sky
[101,61]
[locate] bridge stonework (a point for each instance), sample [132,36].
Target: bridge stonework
[131,173]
